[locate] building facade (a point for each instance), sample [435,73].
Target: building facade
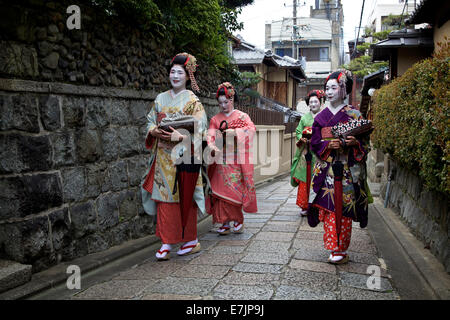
[317,41]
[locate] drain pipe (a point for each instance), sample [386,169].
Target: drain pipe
[388,188]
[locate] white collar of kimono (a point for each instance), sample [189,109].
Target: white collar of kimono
[229,113]
[174,95]
[335,110]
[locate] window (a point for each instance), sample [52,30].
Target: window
[315,54]
[283,52]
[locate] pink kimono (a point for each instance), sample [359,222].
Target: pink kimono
[231,177]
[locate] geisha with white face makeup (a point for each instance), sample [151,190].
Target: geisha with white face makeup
[314,105]
[158,197]
[339,175]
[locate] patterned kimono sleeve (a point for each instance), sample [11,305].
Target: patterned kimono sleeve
[152,123]
[245,136]
[319,146]
[200,115]
[299,130]
[212,131]
[361,149]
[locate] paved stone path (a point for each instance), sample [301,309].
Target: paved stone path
[277,257]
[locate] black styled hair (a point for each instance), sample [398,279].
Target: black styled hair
[221,92]
[337,76]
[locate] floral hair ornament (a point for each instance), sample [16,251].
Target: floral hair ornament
[191,66]
[320,93]
[228,88]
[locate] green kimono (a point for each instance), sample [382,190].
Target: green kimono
[298,169]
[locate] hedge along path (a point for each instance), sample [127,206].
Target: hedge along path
[412,119]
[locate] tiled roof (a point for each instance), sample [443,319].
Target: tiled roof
[249,54]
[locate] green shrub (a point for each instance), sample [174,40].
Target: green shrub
[412,120]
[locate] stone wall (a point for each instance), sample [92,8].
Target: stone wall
[73,107]
[35,43]
[426,213]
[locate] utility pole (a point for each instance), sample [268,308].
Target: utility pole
[294,30]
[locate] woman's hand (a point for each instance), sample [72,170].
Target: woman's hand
[351,141]
[334,144]
[160,134]
[301,142]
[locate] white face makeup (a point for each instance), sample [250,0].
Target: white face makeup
[314,104]
[178,77]
[332,90]
[225,104]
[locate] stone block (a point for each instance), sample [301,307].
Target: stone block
[84,218]
[142,226]
[129,142]
[360,281]
[49,107]
[73,111]
[29,194]
[119,111]
[242,292]
[189,286]
[119,234]
[24,153]
[138,111]
[303,293]
[118,175]
[89,145]
[97,113]
[74,184]
[434,205]
[64,148]
[126,202]
[109,142]
[310,279]
[26,241]
[19,112]
[97,242]
[98,179]
[107,210]
[13,274]
[18,60]
[60,232]
[137,168]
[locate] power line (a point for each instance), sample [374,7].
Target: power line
[359,28]
[401,18]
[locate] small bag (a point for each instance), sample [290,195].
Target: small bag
[178,122]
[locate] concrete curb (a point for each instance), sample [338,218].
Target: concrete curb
[427,265]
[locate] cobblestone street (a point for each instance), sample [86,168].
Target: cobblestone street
[278,256]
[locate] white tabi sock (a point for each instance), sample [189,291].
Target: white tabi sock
[164,246]
[190,243]
[239,226]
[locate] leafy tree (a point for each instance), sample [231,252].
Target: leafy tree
[198,26]
[363,65]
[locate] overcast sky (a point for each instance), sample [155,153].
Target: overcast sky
[256,15]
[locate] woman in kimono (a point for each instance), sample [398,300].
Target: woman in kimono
[331,151]
[165,148]
[231,176]
[298,170]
